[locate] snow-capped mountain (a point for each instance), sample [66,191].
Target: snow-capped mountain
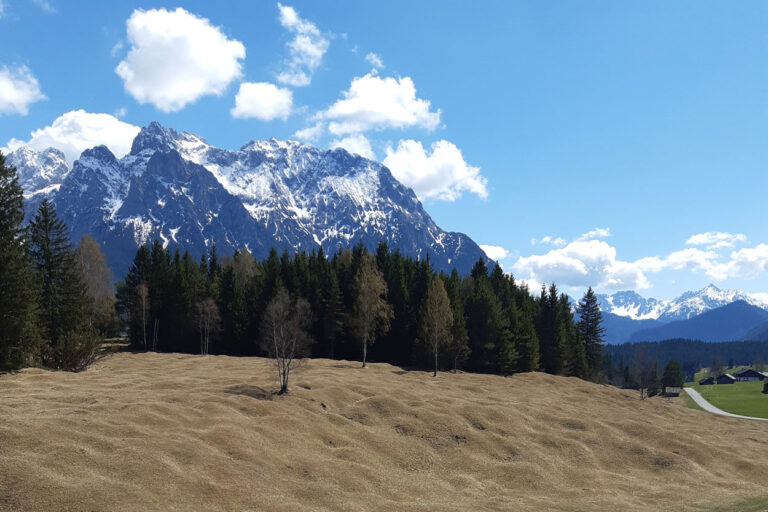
[632,305]
[39,172]
[177,188]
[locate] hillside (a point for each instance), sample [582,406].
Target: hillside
[155,432]
[726,323]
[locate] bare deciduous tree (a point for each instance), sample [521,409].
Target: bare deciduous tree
[371,311]
[207,322]
[436,318]
[284,334]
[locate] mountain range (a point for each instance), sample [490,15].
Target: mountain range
[176,188]
[709,314]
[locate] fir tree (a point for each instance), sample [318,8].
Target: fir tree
[591,329]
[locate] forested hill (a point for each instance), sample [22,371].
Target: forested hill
[496,325]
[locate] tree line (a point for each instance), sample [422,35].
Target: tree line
[693,355]
[358,304]
[56,301]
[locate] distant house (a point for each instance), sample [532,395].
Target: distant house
[726,378]
[749,375]
[707,382]
[672,391]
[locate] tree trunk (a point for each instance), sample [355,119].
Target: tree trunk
[365,351]
[435,374]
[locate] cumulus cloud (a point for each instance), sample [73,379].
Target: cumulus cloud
[374,60]
[310,134]
[263,101]
[79,130]
[306,48]
[716,239]
[583,263]
[357,143]
[442,174]
[18,90]
[549,240]
[495,252]
[376,103]
[177,57]
[595,234]
[588,261]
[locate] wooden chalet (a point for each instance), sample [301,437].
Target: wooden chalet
[726,378]
[707,381]
[749,375]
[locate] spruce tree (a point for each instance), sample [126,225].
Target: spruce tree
[63,294]
[18,301]
[673,375]
[591,329]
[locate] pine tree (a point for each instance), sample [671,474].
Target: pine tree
[19,340]
[591,329]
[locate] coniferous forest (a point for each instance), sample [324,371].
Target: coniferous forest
[58,304]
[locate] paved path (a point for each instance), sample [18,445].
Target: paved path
[702,402]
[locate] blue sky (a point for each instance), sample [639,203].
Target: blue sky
[613,144]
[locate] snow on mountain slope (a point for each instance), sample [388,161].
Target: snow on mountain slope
[39,172]
[177,188]
[690,304]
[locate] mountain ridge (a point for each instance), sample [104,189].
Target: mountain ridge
[268,193]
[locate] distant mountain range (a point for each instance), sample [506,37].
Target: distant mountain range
[709,314]
[176,188]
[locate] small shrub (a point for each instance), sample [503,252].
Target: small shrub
[74,352]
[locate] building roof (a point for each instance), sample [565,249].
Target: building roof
[726,375]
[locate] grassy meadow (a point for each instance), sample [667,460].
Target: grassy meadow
[744,398]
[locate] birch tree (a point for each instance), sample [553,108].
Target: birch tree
[371,312]
[436,319]
[284,334]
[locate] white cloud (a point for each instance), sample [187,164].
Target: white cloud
[79,130]
[306,48]
[263,101]
[595,234]
[356,143]
[120,112]
[582,263]
[374,60]
[443,174]
[744,263]
[377,103]
[177,57]
[495,252]
[18,90]
[549,240]
[310,134]
[716,239]
[45,5]
[2,8]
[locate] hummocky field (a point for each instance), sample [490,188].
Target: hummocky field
[143,432]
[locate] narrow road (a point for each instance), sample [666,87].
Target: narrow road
[702,402]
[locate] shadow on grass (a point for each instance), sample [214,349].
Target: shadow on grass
[251,391]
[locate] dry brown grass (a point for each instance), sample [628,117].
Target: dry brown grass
[177,432]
